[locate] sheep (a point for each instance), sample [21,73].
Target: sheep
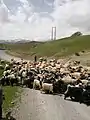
[13,79]
[46,87]
[12,61]
[24,74]
[68,80]
[5,73]
[50,71]
[76,74]
[7,67]
[12,76]
[62,70]
[1,67]
[8,71]
[84,82]
[2,61]
[36,84]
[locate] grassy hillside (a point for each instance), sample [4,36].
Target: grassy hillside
[63,47]
[58,48]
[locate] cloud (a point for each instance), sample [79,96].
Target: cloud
[3,13]
[29,19]
[12,5]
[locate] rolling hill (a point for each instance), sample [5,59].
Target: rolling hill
[57,48]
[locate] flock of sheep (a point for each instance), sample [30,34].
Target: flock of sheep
[51,76]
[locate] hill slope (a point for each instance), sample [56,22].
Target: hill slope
[58,48]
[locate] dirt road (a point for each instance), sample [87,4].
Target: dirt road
[7,57]
[37,106]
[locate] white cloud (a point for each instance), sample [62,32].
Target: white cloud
[67,15]
[3,13]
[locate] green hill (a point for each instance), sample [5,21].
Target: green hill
[57,48]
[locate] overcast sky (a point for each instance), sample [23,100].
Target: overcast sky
[33,19]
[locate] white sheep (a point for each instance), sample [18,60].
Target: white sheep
[68,80]
[76,74]
[24,74]
[47,87]
[2,61]
[4,73]
[8,71]
[84,82]
[36,84]
[6,67]
[12,76]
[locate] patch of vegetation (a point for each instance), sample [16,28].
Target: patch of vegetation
[10,92]
[10,95]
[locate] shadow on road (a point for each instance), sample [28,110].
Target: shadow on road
[86,103]
[71,100]
[54,94]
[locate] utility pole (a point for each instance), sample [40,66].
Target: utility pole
[53,33]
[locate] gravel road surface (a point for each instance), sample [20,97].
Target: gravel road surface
[36,106]
[7,57]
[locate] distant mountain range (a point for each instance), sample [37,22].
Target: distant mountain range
[17,41]
[20,41]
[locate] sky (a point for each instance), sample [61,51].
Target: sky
[34,19]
